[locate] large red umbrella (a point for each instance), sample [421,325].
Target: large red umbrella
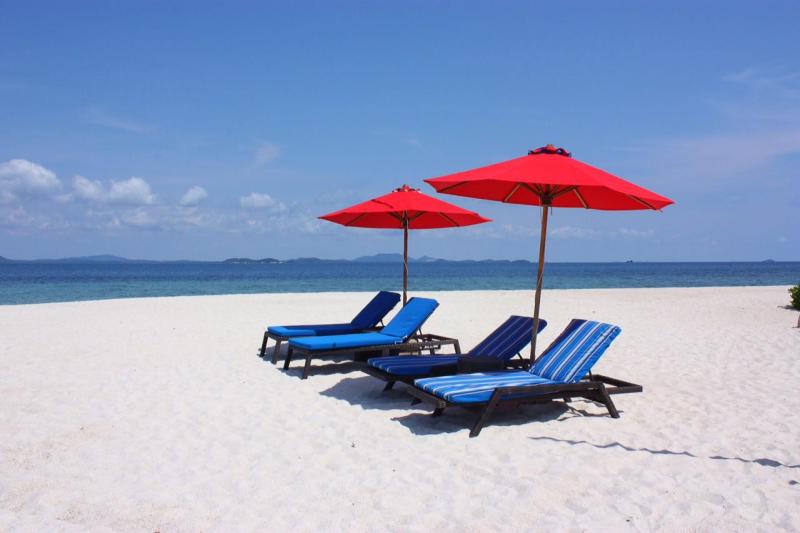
[405,208]
[549,177]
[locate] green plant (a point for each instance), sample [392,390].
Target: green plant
[794,293]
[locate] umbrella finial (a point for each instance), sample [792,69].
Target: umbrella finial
[405,188]
[550,149]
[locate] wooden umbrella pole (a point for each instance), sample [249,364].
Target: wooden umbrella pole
[405,258]
[539,277]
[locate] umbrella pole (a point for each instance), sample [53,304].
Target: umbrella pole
[405,260]
[539,276]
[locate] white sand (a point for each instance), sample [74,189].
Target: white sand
[156,414]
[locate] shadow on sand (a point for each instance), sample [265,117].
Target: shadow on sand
[343,365]
[367,393]
[762,461]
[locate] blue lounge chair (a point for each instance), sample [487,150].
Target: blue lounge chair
[392,336]
[369,317]
[495,352]
[558,373]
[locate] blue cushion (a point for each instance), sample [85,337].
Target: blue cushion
[338,342]
[478,387]
[375,310]
[410,318]
[311,330]
[504,342]
[509,338]
[412,365]
[575,351]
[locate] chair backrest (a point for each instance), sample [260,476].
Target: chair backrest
[375,310]
[410,318]
[575,351]
[509,339]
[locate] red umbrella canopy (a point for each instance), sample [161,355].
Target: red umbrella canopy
[421,211]
[551,176]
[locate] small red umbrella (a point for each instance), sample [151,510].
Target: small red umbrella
[549,177]
[405,208]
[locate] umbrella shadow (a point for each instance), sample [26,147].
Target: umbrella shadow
[763,461]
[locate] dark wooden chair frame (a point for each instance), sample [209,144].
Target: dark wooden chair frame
[417,343]
[279,339]
[595,387]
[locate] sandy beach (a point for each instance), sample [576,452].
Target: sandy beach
[157,415]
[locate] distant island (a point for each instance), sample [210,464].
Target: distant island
[246,260]
[376,258]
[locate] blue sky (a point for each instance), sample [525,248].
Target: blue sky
[208,130]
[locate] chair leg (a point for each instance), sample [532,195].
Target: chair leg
[389,385]
[264,346]
[437,412]
[288,358]
[276,352]
[605,397]
[485,414]
[307,366]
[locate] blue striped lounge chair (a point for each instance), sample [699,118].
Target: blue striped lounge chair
[496,351]
[392,336]
[369,317]
[561,372]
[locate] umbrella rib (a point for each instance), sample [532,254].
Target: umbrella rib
[356,219]
[451,187]
[450,220]
[646,204]
[512,193]
[537,191]
[562,191]
[580,197]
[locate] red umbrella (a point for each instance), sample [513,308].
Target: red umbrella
[405,208]
[549,177]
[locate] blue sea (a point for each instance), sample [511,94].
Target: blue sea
[22,283]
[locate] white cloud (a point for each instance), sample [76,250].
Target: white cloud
[7,197]
[101,118]
[631,232]
[266,152]
[258,200]
[781,83]
[132,191]
[140,218]
[86,189]
[193,196]
[20,176]
[573,232]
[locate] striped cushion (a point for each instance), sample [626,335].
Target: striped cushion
[508,339]
[413,365]
[476,388]
[576,350]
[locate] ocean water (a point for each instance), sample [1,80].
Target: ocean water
[22,283]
